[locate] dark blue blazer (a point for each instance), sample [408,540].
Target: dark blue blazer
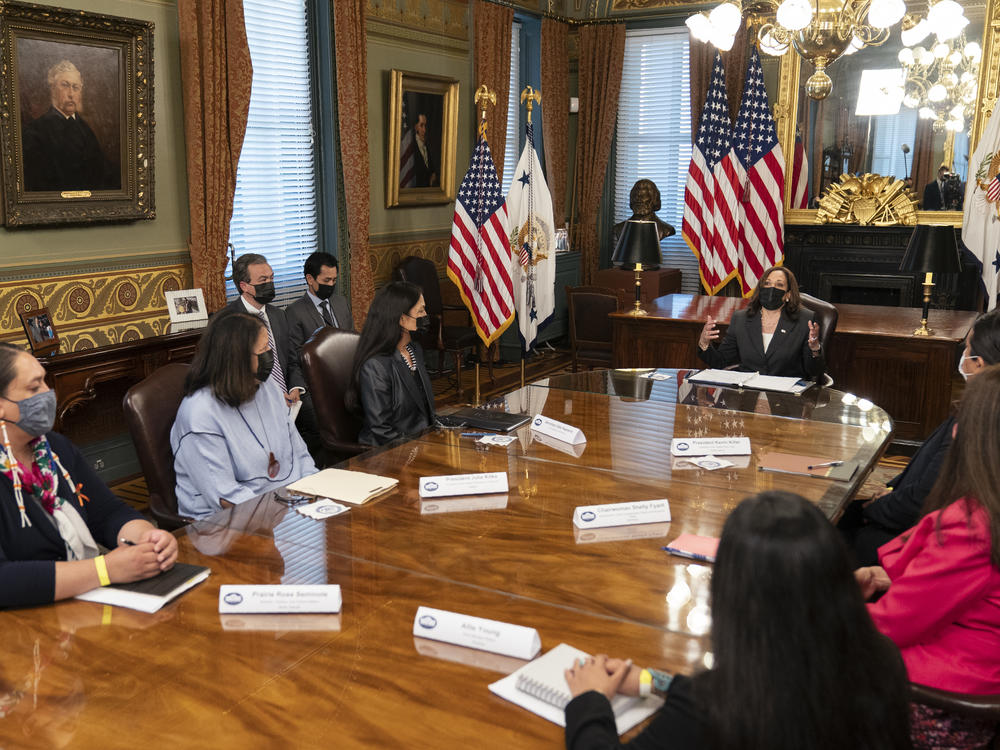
[28,555]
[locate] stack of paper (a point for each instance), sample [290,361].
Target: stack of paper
[737,379]
[352,487]
[150,594]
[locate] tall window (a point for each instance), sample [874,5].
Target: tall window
[275,208]
[511,152]
[654,133]
[891,131]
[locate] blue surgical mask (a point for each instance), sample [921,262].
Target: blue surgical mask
[38,413]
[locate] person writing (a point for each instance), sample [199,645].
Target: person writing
[941,579]
[54,509]
[797,662]
[775,335]
[233,438]
[390,379]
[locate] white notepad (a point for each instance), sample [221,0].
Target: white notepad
[354,487]
[541,687]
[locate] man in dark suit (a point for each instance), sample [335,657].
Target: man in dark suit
[318,307]
[424,165]
[934,191]
[60,151]
[254,278]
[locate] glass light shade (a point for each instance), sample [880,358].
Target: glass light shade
[941,50]
[925,57]
[942,12]
[957,112]
[973,51]
[721,40]
[905,56]
[911,101]
[926,113]
[967,77]
[726,18]
[795,15]
[950,28]
[955,58]
[969,96]
[954,126]
[937,93]
[854,46]
[700,27]
[770,46]
[949,80]
[885,13]
[916,34]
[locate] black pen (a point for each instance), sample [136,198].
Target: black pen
[828,463]
[129,542]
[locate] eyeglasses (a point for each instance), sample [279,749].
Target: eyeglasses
[75,87]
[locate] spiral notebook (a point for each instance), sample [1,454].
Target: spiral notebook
[540,687]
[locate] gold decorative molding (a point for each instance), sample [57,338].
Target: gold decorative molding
[384,257]
[869,200]
[94,309]
[448,18]
[989,74]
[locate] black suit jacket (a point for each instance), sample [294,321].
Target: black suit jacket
[395,406]
[788,355]
[62,153]
[279,328]
[933,200]
[423,170]
[304,319]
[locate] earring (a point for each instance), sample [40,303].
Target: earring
[15,474]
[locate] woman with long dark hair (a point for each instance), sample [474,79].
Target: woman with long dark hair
[775,335]
[233,438]
[797,663]
[390,378]
[941,578]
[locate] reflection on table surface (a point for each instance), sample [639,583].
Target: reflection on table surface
[190,676]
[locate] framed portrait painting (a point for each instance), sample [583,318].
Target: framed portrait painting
[423,134]
[76,136]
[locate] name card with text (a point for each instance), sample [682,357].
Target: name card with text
[563,447]
[463,504]
[477,632]
[488,483]
[276,599]
[559,430]
[714,446]
[621,514]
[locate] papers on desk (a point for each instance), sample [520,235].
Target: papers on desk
[736,379]
[540,687]
[352,487]
[808,466]
[694,547]
[151,594]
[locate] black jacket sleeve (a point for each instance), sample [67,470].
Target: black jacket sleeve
[377,396]
[725,354]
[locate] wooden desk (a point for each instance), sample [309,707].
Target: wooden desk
[874,353]
[189,677]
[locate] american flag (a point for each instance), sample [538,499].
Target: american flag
[407,153]
[761,171]
[479,257]
[800,176]
[710,225]
[993,191]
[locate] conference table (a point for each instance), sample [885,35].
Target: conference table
[84,675]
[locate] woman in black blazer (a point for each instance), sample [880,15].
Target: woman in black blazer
[389,373]
[775,335]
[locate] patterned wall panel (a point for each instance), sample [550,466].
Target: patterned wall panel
[446,17]
[94,309]
[384,257]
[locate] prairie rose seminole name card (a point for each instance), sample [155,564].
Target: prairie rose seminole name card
[276,599]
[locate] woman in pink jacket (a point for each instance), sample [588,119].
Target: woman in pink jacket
[941,578]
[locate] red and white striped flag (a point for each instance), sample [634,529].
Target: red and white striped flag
[993,191]
[761,170]
[710,225]
[800,176]
[479,259]
[407,153]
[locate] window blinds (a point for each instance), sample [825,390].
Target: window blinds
[512,152]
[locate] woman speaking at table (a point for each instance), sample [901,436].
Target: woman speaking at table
[775,335]
[54,510]
[233,438]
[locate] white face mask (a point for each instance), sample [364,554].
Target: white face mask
[961,364]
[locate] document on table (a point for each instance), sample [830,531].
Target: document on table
[736,379]
[354,487]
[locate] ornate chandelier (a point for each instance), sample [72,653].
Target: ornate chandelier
[820,31]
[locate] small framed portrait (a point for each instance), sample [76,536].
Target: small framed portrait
[77,136]
[42,336]
[186,306]
[423,134]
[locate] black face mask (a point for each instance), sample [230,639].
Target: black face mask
[423,323]
[325,291]
[265,363]
[264,293]
[771,298]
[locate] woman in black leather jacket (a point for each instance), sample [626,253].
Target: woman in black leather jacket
[390,377]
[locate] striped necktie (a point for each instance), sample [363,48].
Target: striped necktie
[276,374]
[327,313]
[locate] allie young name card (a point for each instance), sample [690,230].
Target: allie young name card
[477,632]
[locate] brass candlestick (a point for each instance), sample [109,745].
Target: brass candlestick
[637,310]
[928,285]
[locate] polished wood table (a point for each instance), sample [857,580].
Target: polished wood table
[873,354]
[78,674]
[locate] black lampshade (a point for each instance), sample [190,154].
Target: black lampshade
[932,249]
[639,243]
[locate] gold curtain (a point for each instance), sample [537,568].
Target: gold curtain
[352,109]
[216,74]
[492,56]
[555,112]
[602,55]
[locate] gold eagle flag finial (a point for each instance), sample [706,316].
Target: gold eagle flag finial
[530,97]
[483,97]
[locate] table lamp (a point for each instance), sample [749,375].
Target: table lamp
[638,244]
[932,249]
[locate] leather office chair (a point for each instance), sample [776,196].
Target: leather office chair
[440,338]
[150,409]
[589,326]
[985,707]
[327,364]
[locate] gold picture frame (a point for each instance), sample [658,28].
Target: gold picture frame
[92,74]
[423,139]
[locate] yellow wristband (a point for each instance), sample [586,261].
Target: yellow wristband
[645,683]
[102,570]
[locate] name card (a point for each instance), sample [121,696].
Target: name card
[471,657]
[276,599]
[324,508]
[696,462]
[621,514]
[281,623]
[559,430]
[621,533]
[477,632]
[463,504]
[567,448]
[716,446]
[489,483]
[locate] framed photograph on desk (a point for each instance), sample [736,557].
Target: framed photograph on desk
[42,336]
[186,306]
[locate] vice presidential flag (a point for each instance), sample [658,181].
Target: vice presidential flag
[479,256]
[710,225]
[760,167]
[981,212]
[532,242]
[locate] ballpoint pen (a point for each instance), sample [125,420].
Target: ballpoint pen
[828,463]
[475,434]
[129,542]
